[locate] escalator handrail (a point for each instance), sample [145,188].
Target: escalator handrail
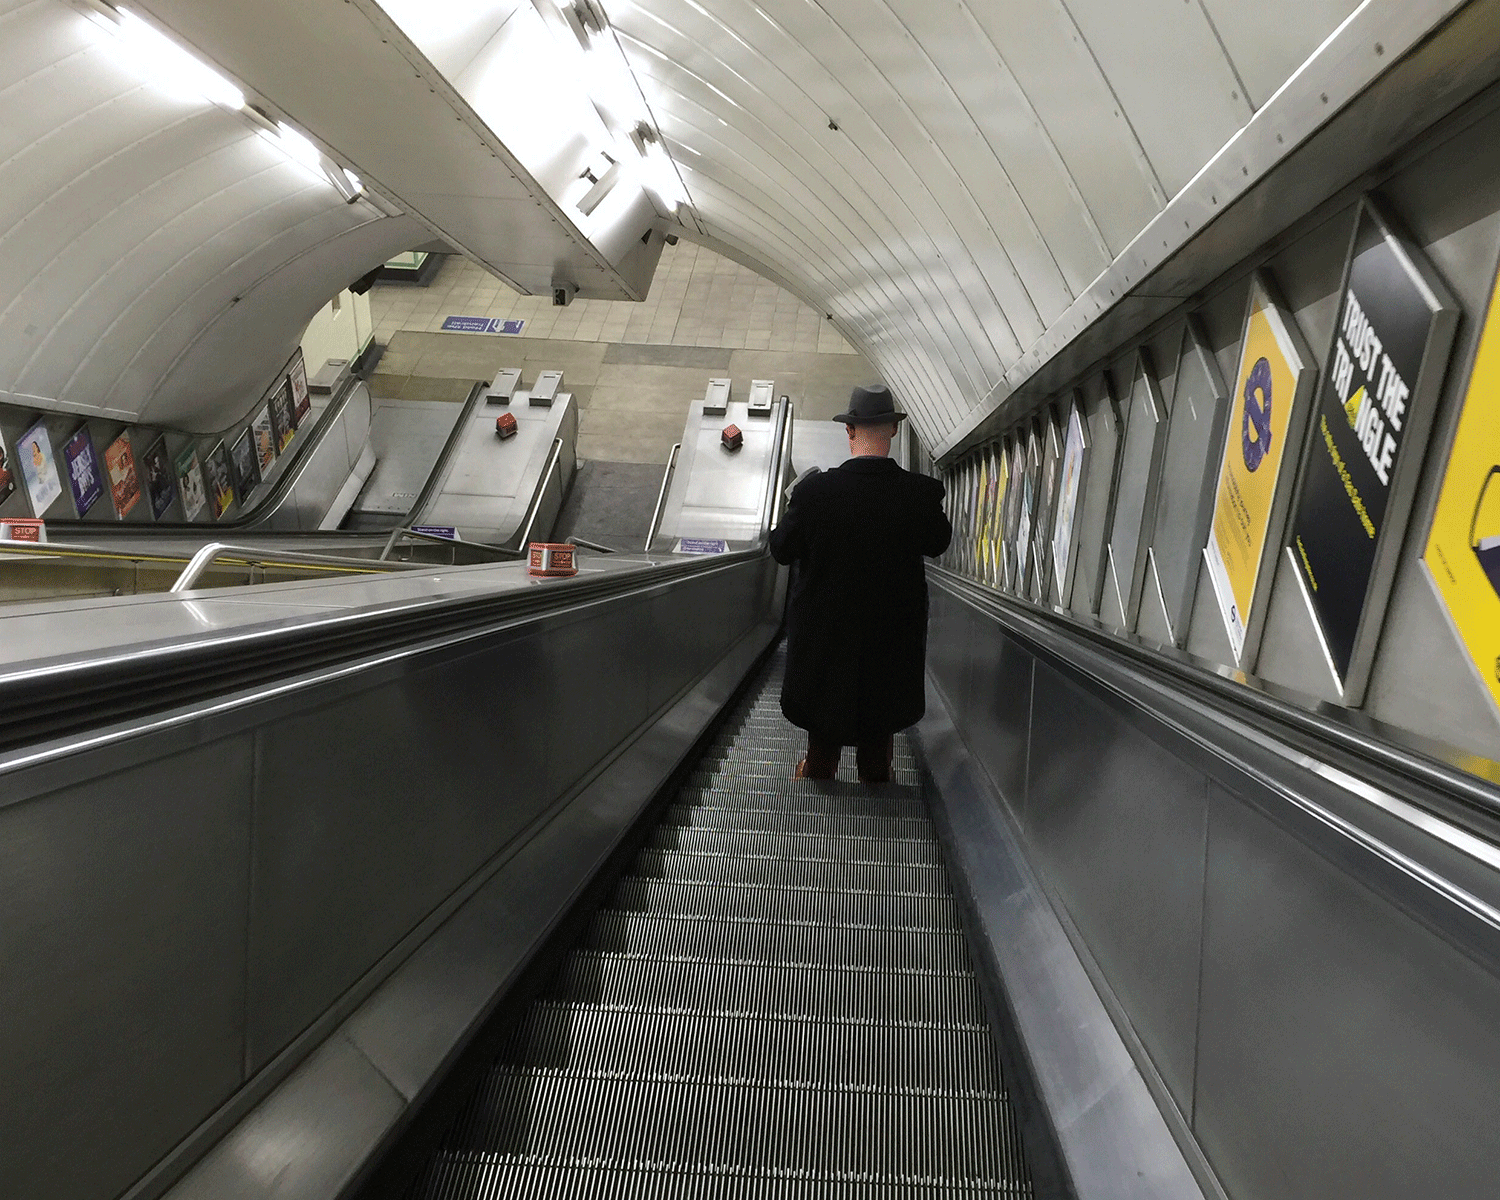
[251,556]
[661,496]
[1380,746]
[536,500]
[44,700]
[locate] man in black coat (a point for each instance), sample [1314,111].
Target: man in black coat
[857,616]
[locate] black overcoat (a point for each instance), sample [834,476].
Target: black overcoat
[857,614]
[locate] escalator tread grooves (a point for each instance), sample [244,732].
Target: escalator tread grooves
[776,1001]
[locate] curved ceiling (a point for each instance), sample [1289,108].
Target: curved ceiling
[946,177]
[158,258]
[964,186]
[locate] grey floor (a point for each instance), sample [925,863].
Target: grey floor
[610,503]
[635,377]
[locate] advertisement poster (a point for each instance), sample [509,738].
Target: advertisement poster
[1067,502]
[7,477]
[297,377]
[246,464]
[1023,520]
[265,440]
[1013,513]
[283,417]
[980,548]
[220,480]
[190,483]
[160,485]
[83,471]
[1369,427]
[39,469]
[1270,385]
[124,484]
[1463,548]
[997,525]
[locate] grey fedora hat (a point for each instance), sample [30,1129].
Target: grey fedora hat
[870,406]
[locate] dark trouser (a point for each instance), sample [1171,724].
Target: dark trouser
[871,759]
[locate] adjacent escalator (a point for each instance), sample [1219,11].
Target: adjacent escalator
[777,1000]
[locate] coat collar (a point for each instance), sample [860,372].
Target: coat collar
[868,463]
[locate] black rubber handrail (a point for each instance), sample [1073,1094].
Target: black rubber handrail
[63,697]
[1468,779]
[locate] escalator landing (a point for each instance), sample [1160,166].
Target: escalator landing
[777,1001]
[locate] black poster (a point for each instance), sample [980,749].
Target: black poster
[1368,428]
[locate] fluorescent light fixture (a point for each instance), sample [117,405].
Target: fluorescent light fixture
[659,175]
[169,66]
[298,148]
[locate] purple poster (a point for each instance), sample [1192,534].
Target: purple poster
[83,471]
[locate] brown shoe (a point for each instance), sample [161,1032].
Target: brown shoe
[799,771]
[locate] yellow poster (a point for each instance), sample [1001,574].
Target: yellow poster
[1463,549]
[1256,446]
[997,525]
[980,491]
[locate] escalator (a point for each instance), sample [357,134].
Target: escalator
[777,999]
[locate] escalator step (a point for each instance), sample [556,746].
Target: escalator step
[746,819]
[777,871]
[815,846]
[753,940]
[581,1039]
[776,1003]
[847,907]
[696,985]
[541,1116]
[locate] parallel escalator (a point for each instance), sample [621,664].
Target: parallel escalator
[776,1001]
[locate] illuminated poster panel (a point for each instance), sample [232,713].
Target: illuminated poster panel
[1390,348]
[1069,491]
[997,526]
[1031,468]
[1268,406]
[1463,547]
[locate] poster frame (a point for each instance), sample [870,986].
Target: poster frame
[215,464]
[1487,671]
[1104,408]
[1129,600]
[187,464]
[1406,472]
[161,499]
[1064,567]
[1046,509]
[37,432]
[1263,289]
[1012,512]
[121,499]
[1026,520]
[1195,346]
[997,522]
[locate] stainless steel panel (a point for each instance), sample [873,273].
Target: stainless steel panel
[309,1140]
[1098,495]
[1106,1129]
[1140,473]
[125,900]
[1118,827]
[355,844]
[1361,1048]
[1189,475]
[715,493]
[996,711]
[407,437]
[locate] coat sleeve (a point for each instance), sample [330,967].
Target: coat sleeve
[789,538]
[936,530]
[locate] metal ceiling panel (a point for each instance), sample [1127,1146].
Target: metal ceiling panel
[1268,40]
[1167,68]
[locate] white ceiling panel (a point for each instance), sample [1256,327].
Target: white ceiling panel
[1270,39]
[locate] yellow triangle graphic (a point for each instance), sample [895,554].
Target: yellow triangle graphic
[1351,409]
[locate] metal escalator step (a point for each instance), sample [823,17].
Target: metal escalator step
[737,1126]
[692,985]
[782,773]
[753,940]
[471,1174]
[583,1039]
[807,800]
[636,893]
[789,793]
[759,819]
[775,870]
[681,837]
